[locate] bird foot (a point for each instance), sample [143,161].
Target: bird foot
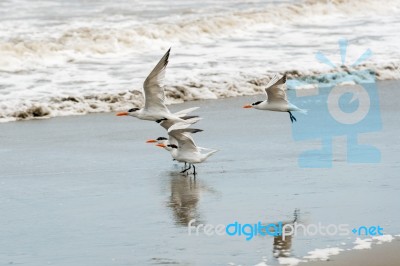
[292,118]
[184,170]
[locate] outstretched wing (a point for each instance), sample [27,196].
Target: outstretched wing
[275,89]
[153,91]
[189,120]
[184,125]
[185,141]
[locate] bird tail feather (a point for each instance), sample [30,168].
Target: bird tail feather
[185,112]
[210,153]
[303,111]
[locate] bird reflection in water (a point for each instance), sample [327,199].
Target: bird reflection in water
[185,195]
[282,247]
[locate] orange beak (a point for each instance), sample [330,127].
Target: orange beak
[122,113]
[248,106]
[151,141]
[161,145]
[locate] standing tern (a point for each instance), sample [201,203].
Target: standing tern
[186,151]
[189,120]
[276,98]
[154,108]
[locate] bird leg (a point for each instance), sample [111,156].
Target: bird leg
[186,169]
[194,171]
[292,118]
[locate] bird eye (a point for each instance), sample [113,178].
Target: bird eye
[132,110]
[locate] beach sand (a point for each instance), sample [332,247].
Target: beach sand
[384,254]
[88,190]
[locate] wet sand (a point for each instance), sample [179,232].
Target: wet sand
[384,254]
[88,190]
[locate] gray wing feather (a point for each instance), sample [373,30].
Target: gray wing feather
[153,91]
[185,141]
[275,89]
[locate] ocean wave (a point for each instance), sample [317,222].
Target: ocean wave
[53,67]
[62,43]
[188,90]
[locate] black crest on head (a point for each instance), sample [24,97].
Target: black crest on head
[133,110]
[256,103]
[173,146]
[161,138]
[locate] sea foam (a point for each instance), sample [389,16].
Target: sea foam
[79,63]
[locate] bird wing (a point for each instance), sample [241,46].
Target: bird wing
[172,140]
[183,114]
[167,124]
[275,89]
[153,91]
[184,125]
[185,141]
[189,120]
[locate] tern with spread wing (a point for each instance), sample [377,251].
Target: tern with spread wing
[167,124]
[276,98]
[186,150]
[154,108]
[189,120]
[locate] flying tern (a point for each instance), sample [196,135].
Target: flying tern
[154,108]
[276,98]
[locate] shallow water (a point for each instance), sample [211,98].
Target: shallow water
[88,190]
[94,52]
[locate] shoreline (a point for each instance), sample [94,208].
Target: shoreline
[384,254]
[88,190]
[119,101]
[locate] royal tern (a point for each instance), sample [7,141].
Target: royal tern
[154,108]
[186,151]
[276,98]
[189,120]
[167,124]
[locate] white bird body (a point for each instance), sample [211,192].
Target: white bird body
[276,98]
[153,115]
[277,106]
[191,157]
[186,151]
